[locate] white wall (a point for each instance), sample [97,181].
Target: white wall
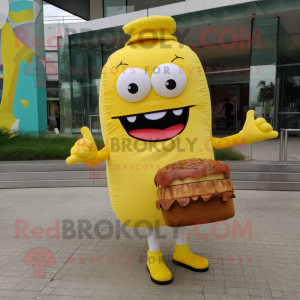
[50,34]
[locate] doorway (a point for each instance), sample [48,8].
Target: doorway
[238,96]
[53,115]
[220,94]
[243,105]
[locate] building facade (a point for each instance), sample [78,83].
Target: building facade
[250,52]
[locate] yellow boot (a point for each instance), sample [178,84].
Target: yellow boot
[159,272]
[185,258]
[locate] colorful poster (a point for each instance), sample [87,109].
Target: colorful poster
[22,72]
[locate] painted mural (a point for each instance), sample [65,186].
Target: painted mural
[22,71]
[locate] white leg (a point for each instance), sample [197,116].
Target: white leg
[181,236]
[152,240]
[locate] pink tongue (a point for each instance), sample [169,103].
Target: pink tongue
[157,134]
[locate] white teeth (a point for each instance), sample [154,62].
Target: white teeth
[131,119]
[177,112]
[155,116]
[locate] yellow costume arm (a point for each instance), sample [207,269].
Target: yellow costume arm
[226,142]
[103,154]
[85,151]
[253,131]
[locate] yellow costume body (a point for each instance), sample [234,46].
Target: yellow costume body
[131,174]
[132,163]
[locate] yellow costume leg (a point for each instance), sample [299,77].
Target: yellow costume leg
[159,272]
[185,258]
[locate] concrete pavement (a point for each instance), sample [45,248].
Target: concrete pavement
[263,262]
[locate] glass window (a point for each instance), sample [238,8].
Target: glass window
[273,6]
[49,48]
[53,115]
[107,52]
[114,7]
[117,7]
[135,5]
[244,107]
[64,81]
[221,95]
[53,56]
[51,68]
[288,79]
[53,84]
[52,93]
[85,71]
[52,77]
[263,68]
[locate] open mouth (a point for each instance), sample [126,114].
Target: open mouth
[157,125]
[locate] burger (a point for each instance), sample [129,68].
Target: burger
[194,191]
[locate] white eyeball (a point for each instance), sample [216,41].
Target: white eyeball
[168,80]
[133,85]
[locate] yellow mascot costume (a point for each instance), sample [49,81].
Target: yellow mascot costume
[155,109]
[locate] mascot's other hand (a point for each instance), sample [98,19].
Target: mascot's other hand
[85,150]
[256,130]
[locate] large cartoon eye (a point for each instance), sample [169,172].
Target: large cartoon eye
[133,85]
[168,80]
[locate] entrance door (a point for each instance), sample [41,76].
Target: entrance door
[53,115]
[53,105]
[219,95]
[244,107]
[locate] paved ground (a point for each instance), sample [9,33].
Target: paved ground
[266,266]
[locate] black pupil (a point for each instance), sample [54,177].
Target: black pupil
[133,88]
[171,84]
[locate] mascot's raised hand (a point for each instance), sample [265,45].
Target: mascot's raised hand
[256,130]
[85,150]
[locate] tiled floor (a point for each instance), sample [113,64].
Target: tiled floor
[264,264]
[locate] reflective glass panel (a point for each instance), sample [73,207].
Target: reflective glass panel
[288,79]
[223,103]
[51,68]
[53,56]
[263,68]
[85,71]
[64,81]
[114,7]
[52,93]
